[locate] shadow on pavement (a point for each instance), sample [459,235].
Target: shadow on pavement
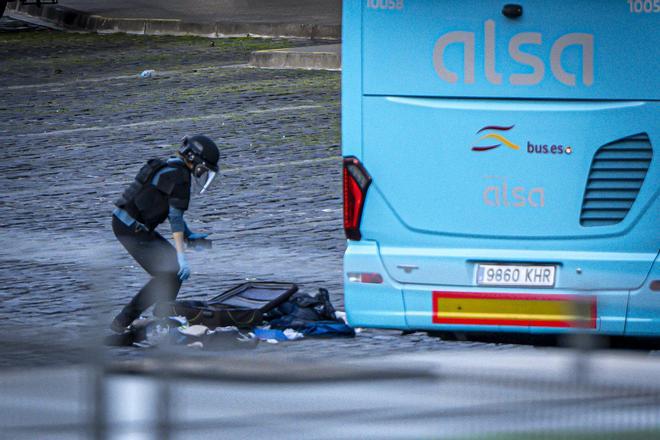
[562,341]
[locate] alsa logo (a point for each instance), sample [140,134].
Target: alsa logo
[500,193]
[486,142]
[527,59]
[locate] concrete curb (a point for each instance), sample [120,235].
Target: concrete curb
[70,19]
[326,57]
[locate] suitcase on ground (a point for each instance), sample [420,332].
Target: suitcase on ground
[242,306]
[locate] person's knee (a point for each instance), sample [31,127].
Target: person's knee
[165,267]
[169,282]
[169,276]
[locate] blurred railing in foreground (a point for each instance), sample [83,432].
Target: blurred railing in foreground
[79,389]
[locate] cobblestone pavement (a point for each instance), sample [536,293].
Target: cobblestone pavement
[76,124]
[204,11]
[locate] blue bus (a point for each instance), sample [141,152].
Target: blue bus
[501,165]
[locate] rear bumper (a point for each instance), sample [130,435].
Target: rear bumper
[392,304]
[371,305]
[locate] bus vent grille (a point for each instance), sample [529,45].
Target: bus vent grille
[615,178]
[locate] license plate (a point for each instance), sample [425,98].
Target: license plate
[515,275]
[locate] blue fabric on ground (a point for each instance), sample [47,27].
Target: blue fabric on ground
[317,329]
[328,329]
[265,334]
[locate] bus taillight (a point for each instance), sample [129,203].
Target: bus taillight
[356,183]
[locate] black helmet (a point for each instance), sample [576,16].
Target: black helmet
[204,156]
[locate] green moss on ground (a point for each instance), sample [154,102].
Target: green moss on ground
[49,38]
[49,53]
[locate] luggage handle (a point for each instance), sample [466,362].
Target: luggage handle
[192,320]
[237,321]
[202,313]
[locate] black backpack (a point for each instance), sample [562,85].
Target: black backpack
[302,308]
[313,316]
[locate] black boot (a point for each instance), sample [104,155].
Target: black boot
[123,320]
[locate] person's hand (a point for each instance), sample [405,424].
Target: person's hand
[184,269]
[197,236]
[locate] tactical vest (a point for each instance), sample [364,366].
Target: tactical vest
[144,201]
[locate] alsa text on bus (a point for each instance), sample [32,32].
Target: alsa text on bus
[516,52]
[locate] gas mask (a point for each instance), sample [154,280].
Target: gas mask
[202,178]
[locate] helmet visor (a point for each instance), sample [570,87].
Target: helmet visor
[204,180]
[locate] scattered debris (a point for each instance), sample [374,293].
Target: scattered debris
[147,73]
[240,317]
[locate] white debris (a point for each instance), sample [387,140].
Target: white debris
[342,316]
[182,320]
[292,335]
[194,330]
[229,328]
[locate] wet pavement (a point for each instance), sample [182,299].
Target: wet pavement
[77,123]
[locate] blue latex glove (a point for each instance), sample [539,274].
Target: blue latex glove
[184,269]
[196,236]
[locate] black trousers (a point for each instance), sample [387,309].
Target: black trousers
[158,257]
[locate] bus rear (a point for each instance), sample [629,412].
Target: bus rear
[501,165]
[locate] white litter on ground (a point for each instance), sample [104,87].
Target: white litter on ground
[341,315]
[147,73]
[194,330]
[292,335]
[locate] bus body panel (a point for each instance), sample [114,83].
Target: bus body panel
[531,185]
[450,266]
[450,260]
[380,306]
[351,84]
[580,49]
[467,148]
[644,306]
[375,305]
